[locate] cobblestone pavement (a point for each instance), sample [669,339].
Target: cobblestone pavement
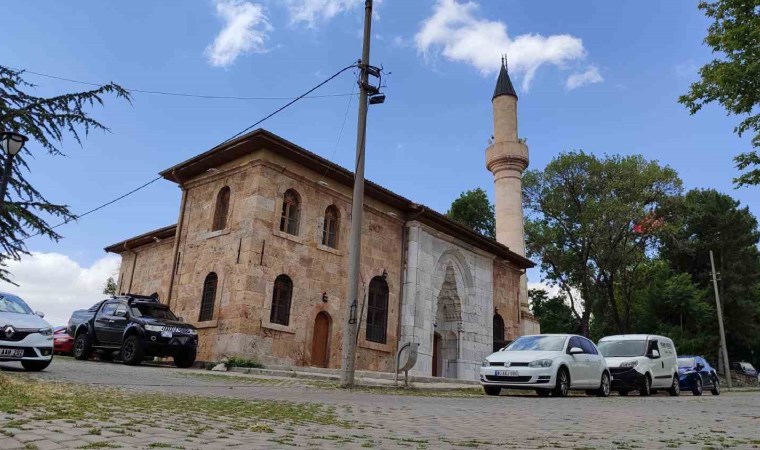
[335,418]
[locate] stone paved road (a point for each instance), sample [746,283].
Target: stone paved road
[393,421]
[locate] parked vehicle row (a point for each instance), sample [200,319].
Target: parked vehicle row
[554,364]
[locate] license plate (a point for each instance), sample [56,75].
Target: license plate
[506,373]
[11,352]
[166,334]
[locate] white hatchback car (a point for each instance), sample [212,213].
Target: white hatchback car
[24,335]
[548,364]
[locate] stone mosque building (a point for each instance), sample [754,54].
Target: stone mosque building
[258,259]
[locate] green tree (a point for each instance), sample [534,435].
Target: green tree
[553,313]
[733,78]
[46,122]
[717,222]
[473,209]
[593,222]
[110,287]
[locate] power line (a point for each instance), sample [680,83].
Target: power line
[174,94]
[294,100]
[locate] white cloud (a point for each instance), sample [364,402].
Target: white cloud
[314,11]
[456,32]
[56,285]
[245,30]
[590,76]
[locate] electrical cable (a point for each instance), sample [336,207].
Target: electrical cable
[174,94]
[294,100]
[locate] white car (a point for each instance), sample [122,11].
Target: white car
[549,364]
[641,362]
[24,335]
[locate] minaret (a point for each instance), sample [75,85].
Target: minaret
[507,158]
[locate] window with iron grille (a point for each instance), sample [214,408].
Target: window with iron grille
[208,298]
[281,296]
[222,209]
[330,229]
[377,310]
[291,212]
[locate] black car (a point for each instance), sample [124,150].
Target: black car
[695,374]
[137,326]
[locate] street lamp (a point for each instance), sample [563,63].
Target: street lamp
[11,143]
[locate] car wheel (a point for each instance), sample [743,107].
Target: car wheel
[36,366]
[82,347]
[543,392]
[492,390]
[716,386]
[675,388]
[563,383]
[185,359]
[646,386]
[623,393]
[131,351]
[604,386]
[697,388]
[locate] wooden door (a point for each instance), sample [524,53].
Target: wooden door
[320,340]
[436,354]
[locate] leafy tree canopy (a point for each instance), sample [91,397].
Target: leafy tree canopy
[591,222]
[473,209]
[733,78]
[553,313]
[110,287]
[46,121]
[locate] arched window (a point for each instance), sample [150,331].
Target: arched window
[377,310]
[330,228]
[222,209]
[281,296]
[207,300]
[498,332]
[291,212]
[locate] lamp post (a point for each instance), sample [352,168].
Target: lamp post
[11,143]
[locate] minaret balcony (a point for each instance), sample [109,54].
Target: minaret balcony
[512,155]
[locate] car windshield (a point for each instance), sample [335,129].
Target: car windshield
[12,304]
[153,311]
[686,362]
[537,343]
[612,349]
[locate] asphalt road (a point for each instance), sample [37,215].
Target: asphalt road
[651,422]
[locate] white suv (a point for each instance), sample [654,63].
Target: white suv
[548,364]
[24,335]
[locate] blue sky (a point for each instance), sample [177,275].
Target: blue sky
[599,76]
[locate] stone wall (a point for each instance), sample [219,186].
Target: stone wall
[251,252]
[434,260]
[145,270]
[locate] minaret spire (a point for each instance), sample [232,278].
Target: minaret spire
[504,84]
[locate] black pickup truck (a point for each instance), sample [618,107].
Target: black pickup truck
[137,326]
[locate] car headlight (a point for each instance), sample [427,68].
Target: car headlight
[486,363]
[629,364]
[541,363]
[156,328]
[192,331]
[45,331]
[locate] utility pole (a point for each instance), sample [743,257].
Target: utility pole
[348,356]
[720,322]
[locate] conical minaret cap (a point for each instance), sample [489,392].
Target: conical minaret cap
[504,84]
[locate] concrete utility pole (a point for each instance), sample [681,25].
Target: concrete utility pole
[720,322]
[348,356]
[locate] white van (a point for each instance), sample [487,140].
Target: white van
[641,362]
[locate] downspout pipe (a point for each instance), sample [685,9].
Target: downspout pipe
[177,235]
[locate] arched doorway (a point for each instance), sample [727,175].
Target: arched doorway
[436,355]
[320,351]
[498,332]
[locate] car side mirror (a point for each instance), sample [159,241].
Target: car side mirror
[699,367]
[575,351]
[41,314]
[655,354]
[120,313]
